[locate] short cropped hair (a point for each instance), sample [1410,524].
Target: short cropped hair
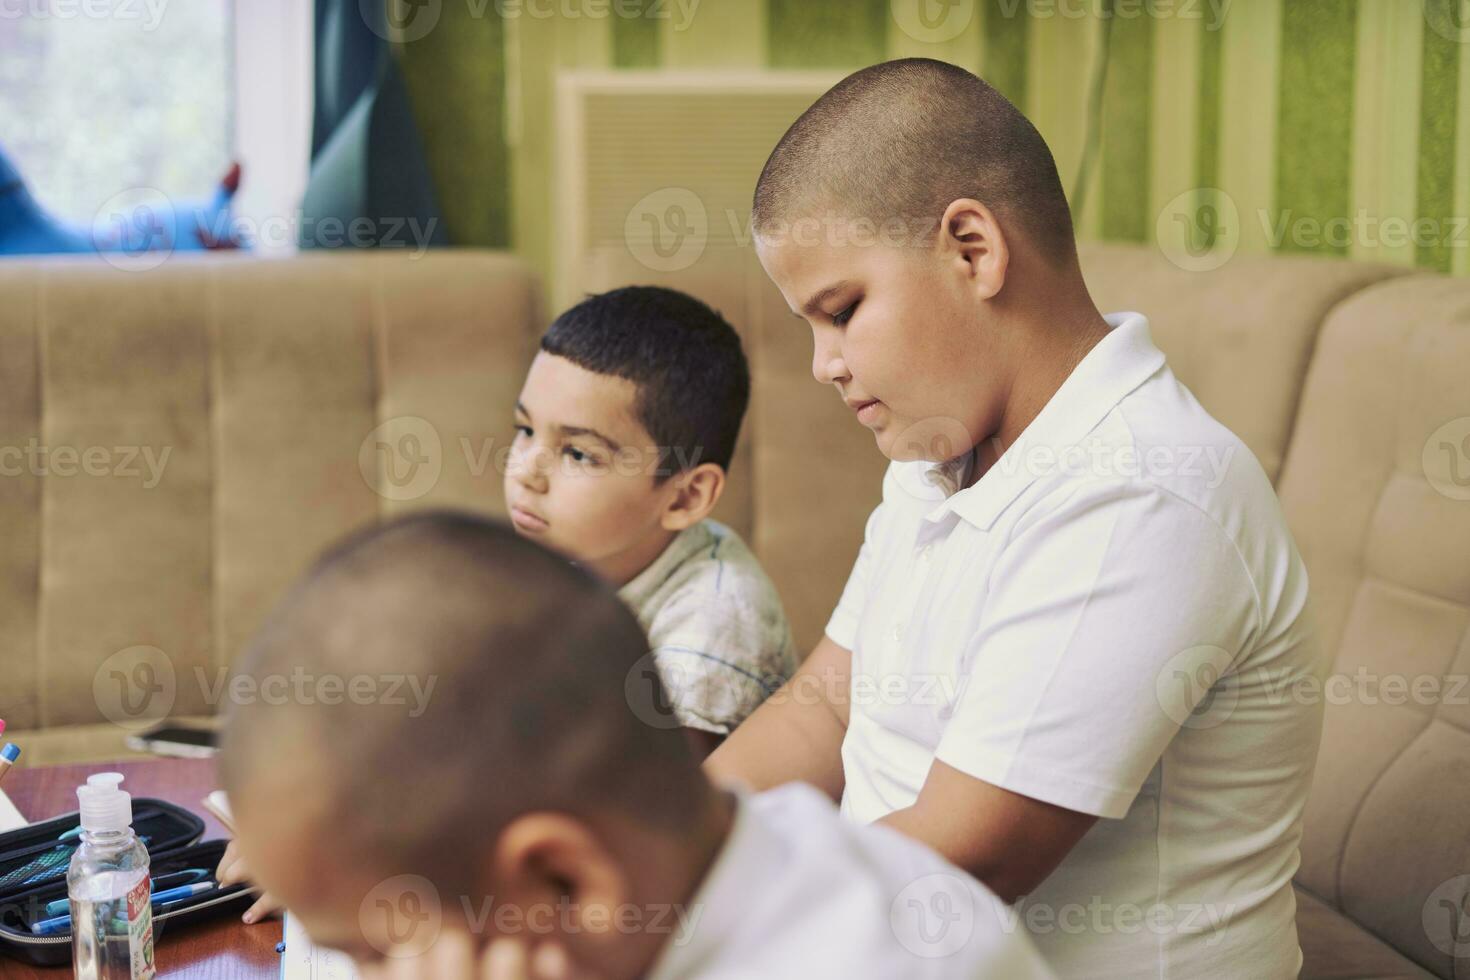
[902,140]
[531,708]
[692,377]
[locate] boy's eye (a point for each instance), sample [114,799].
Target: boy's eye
[840,319]
[524,430]
[576,454]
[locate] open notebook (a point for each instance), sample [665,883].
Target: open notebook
[304,961]
[10,818]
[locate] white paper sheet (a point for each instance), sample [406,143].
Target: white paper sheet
[10,818]
[304,961]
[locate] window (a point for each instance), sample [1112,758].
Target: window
[98,97]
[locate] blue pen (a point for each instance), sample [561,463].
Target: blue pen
[51,864]
[191,875]
[62,923]
[8,755]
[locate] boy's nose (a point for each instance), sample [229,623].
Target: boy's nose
[827,364]
[529,466]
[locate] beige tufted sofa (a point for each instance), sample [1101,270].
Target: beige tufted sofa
[270,381]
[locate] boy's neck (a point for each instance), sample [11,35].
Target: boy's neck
[623,567]
[1054,345]
[669,874]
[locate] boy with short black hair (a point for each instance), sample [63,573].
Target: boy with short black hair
[625,432]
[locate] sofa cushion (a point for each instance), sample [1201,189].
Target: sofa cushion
[1377,491]
[1335,947]
[68,744]
[1239,336]
[287,396]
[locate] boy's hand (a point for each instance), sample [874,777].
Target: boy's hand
[231,871]
[453,957]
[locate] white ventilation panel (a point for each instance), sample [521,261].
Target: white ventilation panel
[659,167]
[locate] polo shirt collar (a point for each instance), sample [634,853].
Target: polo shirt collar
[1120,362]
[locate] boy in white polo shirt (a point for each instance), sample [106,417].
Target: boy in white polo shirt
[1066,652]
[529,811]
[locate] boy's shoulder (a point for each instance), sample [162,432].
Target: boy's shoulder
[1157,436]
[707,560]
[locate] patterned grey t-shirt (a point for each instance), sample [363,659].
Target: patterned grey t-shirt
[715,625]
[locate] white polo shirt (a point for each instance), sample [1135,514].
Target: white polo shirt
[799,892]
[1113,619]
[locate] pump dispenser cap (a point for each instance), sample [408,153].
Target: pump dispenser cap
[104,805]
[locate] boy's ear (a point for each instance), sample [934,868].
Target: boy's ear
[696,491]
[552,865]
[970,234]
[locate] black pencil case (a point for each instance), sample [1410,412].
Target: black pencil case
[33,865]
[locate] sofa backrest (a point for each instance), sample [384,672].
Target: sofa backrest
[267,384]
[285,391]
[1377,491]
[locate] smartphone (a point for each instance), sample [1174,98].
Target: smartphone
[176,740]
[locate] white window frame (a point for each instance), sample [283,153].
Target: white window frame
[274,78]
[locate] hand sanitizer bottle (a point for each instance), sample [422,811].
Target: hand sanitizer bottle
[109,888]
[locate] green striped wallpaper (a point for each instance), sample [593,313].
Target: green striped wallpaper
[1339,127]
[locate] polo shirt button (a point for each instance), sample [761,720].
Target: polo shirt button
[897,633]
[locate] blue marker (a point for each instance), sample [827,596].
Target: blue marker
[8,755]
[191,875]
[62,923]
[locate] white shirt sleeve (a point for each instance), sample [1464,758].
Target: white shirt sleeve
[842,627]
[1105,600]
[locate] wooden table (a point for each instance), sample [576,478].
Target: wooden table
[223,948]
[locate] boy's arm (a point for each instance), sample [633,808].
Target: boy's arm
[702,743]
[1009,841]
[796,735]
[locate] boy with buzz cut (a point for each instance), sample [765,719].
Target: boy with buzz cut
[625,430]
[527,820]
[1108,634]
